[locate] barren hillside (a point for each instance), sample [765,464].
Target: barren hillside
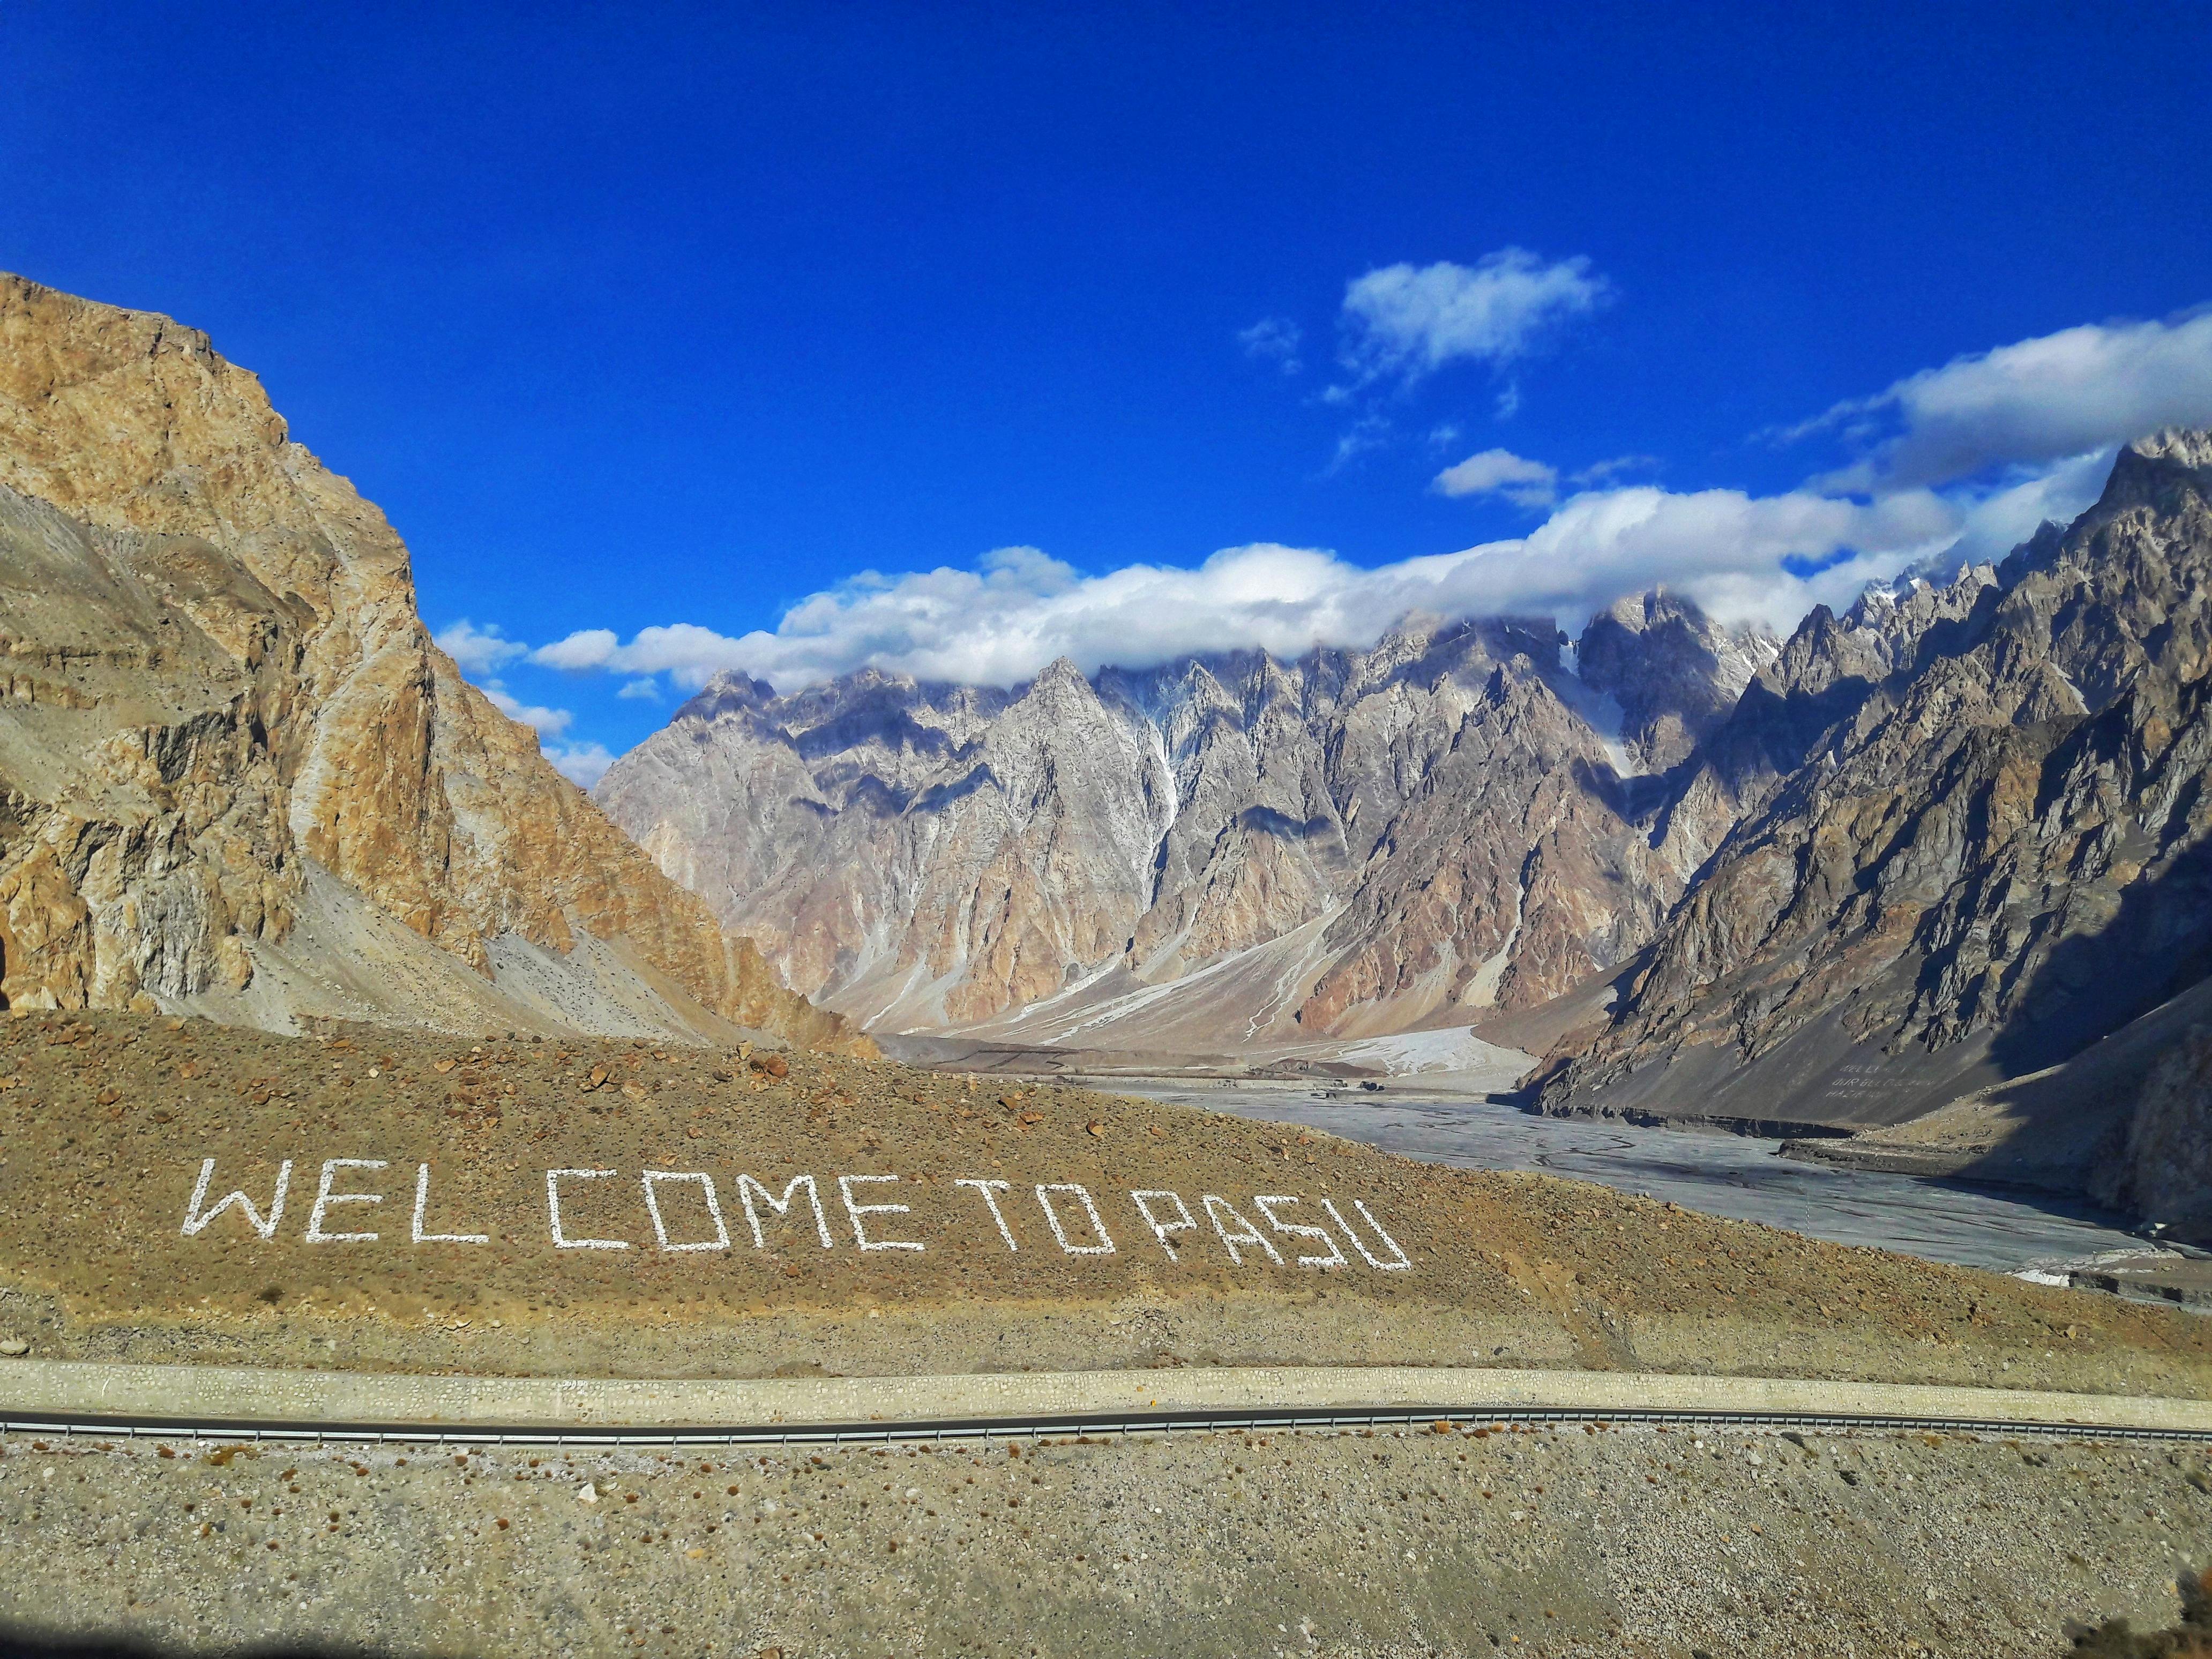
[238,775]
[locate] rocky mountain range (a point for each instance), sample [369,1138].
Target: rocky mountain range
[1446,825]
[1932,873]
[1934,870]
[1969,888]
[236,777]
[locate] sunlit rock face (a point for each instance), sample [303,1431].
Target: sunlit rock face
[1972,823]
[222,712]
[1351,841]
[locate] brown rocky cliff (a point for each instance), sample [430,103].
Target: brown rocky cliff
[1508,875]
[217,674]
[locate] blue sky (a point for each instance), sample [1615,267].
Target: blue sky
[668,318]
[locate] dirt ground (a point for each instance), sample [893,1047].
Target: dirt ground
[1581,1542]
[106,1121]
[1585,1543]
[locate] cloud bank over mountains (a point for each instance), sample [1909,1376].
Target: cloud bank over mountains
[2029,404]
[1001,624]
[1959,463]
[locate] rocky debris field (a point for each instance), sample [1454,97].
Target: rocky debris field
[1570,1541]
[119,1241]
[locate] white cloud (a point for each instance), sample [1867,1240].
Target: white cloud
[546,722]
[1977,457]
[582,764]
[2008,513]
[646,691]
[1404,322]
[589,648]
[1000,624]
[1276,340]
[1501,472]
[1598,472]
[1371,431]
[477,650]
[2033,403]
[678,649]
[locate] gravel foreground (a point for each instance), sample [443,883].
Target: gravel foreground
[1574,1541]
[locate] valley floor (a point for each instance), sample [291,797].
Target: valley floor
[1715,1171]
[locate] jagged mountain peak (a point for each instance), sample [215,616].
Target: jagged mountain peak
[1990,846]
[728,696]
[925,856]
[1672,672]
[2162,475]
[732,688]
[1059,689]
[2185,447]
[1062,671]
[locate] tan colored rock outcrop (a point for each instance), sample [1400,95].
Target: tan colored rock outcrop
[217,686]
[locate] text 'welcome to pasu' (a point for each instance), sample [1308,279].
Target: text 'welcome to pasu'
[683,1211]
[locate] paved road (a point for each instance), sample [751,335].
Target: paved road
[1721,1173]
[33,1392]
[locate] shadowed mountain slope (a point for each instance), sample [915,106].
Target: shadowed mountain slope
[1975,838]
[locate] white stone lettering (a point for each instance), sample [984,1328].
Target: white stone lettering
[561,1240]
[196,1219]
[1266,1206]
[1105,1244]
[1245,1233]
[721,1238]
[1373,1260]
[423,1203]
[1162,1229]
[990,1189]
[324,1198]
[856,1211]
[1280,1234]
[747,1187]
